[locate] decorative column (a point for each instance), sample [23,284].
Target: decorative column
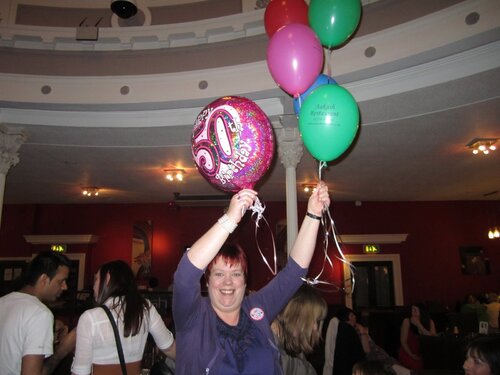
[290,149]
[10,141]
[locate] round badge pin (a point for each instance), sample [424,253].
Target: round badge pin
[257,313]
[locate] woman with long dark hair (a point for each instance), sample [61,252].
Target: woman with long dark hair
[374,353]
[96,350]
[417,323]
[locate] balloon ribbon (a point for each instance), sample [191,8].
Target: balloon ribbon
[258,214]
[329,230]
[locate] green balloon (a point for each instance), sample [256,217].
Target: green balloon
[334,21]
[328,121]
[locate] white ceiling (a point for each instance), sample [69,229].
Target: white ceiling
[417,114]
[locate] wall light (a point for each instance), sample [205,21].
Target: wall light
[484,145]
[90,191]
[493,233]
[174,174]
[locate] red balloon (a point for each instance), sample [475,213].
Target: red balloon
[280,13]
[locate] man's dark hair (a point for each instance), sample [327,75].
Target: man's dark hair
[46,262]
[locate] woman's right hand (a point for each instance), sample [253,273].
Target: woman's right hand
[415,316]
[240,203]
[206,247]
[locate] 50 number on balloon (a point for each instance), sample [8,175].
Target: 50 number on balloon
[232,143]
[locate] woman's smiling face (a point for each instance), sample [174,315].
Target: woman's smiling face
[226,287]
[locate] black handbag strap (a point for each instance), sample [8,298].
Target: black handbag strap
[117,338]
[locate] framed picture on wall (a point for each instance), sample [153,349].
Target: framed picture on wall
[473,261]
[10,270]
[142,244]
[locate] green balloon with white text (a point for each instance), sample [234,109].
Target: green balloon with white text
[328,122]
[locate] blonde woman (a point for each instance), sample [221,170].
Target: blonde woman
[297,330]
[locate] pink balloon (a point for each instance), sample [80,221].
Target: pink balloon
[294,58]
[232,143]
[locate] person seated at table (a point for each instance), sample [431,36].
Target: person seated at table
[343,348]
[297,330]
[483,356]
[371,349]
[493,308]
[473,305]
[417,323]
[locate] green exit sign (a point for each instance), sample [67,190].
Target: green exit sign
[371,249]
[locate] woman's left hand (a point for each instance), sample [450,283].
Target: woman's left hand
[319,200]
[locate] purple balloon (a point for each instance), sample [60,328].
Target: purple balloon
[295,58]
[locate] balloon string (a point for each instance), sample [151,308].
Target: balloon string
[322,164]
[328,62]
[342,257]
[329,229]
[258,214]
[315,280]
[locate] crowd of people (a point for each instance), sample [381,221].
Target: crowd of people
[228,331]
[372,351]
[486,308]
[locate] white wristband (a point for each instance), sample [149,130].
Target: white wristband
[227,223]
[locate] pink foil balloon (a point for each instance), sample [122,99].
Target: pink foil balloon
[294,58]
[232,143]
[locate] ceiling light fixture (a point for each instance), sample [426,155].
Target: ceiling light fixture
[484,145]
[309,188]
[174,175]
[90,191]
[493,233]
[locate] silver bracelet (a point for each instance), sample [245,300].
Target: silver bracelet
[227,223]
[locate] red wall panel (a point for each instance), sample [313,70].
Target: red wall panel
[430,259]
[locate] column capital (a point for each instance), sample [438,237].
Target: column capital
[290,146]
[10,141]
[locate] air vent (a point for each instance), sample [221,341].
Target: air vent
[201,200]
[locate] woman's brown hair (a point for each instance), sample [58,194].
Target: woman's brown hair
[298,326]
